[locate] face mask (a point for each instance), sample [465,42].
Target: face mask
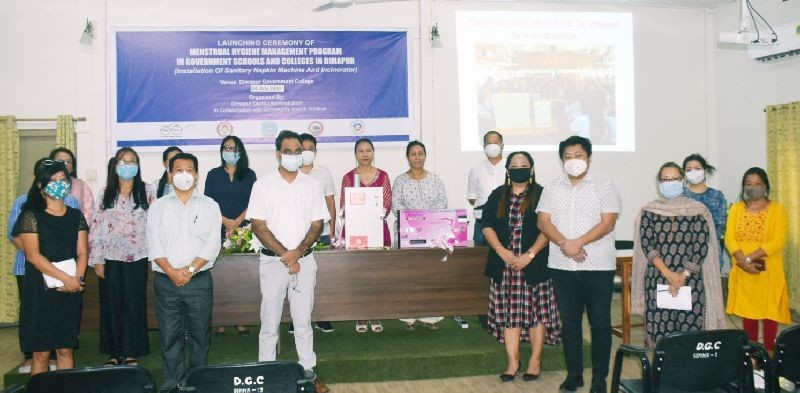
[57,189]
[754,193]
[695,176]
[671,189]
[492,150]
[127,171]
[519,175]
[231,157]
[308,157]
[183,181]
[575,167]
[291,163]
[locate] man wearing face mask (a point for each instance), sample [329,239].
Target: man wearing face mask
[484,178]
[322,175]
[287,210]
[183,241]
[577,213]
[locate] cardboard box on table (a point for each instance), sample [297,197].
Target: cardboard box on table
[427,228]
[364,214]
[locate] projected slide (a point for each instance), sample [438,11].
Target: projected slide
[539,77]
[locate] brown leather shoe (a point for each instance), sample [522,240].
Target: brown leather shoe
[320,386]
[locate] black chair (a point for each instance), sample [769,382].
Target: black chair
[120,379]
[786,362]
[279,377]
[15,388]
[707,361]
[623,244]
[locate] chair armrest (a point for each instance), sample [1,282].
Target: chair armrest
[758,352]
[15,388]
[630,350]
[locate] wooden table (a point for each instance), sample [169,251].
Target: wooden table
[351,285]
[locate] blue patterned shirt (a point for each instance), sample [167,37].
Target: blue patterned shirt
[715,202]
[16,209]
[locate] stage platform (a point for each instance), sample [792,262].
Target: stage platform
[348,356]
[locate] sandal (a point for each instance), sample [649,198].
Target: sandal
[361,326]
[131,362]
[409,327]
[431,326]
[111,362]
[376,326]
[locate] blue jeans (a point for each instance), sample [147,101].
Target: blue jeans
[180,310]
[577,291]
[477,236]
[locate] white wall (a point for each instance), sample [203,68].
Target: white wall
[743,88]
[51,73]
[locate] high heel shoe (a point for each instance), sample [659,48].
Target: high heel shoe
[528,377]
[510,377]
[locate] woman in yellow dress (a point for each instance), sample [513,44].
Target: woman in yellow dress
[755,236]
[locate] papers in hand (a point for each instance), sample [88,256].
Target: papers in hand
[664,299]
[69,266]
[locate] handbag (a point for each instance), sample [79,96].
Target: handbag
[69,266]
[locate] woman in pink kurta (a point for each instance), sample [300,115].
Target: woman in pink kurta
[80,189]
[368,176]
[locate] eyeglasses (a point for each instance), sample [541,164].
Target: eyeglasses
[232,149]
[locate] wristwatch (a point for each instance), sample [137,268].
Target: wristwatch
[192,270]
[686,273]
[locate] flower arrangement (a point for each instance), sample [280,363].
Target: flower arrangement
[241,241]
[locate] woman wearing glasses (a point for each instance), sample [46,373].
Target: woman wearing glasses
[118,254]
[80,189]
[229,185]
[676,254]
[51,232]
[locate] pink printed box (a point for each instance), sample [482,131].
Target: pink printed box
[427,228]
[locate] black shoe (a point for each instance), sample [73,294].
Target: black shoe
[244,331]
[217,333]
[572,383]
[530,377]
[598,386]
[510,377]
[291,328]
[325,326]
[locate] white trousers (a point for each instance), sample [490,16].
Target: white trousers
[276,284]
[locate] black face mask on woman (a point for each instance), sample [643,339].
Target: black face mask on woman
[519,175]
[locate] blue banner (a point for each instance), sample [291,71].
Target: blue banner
[191,87]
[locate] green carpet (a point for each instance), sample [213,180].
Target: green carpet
[347,356]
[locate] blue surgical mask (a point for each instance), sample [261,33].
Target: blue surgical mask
[671,189]
[231,157]
[127,171]
[57,189]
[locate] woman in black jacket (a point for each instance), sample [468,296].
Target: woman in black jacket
[522,304]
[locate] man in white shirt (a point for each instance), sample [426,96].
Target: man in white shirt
[287,211]
[322,175]
[183,241]
[577,213]
[484,178]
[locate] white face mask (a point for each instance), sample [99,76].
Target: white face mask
[696,176]
[492,150]
[183,181]
[308,157]
[291,163]
[575,167]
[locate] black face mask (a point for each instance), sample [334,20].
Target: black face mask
[519,175]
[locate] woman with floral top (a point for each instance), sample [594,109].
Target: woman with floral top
[118,253]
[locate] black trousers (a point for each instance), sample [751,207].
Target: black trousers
[181,310]
[590,291]
[123,309]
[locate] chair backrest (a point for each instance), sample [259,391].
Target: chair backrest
[707,360]
[787,354]
[121,379]
[279,377]
[623,244]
